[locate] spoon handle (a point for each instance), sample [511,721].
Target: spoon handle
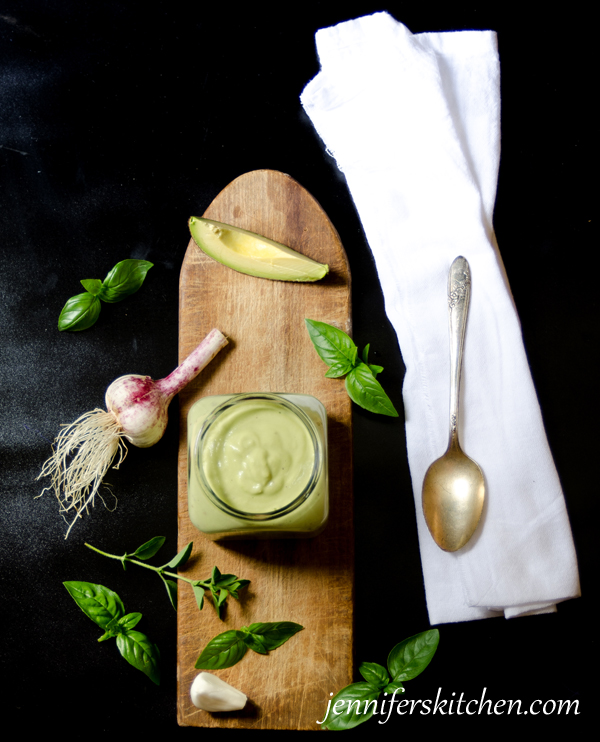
[459,290]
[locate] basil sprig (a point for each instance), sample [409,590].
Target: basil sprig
[106,609]
[82,311]
[228,648]
[341,355]
[219,586]
[353,705]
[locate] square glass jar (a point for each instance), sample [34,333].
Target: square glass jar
[258,466]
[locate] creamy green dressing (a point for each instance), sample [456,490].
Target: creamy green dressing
[258,457]
[258,466]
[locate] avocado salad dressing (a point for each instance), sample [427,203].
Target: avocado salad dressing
[258,457]
[258,465]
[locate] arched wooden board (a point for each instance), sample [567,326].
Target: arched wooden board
[308,581]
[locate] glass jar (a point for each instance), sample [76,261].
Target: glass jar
[257,466]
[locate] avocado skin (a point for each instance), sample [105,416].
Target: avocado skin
[252,254]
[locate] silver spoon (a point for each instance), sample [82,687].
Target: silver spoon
[454,488]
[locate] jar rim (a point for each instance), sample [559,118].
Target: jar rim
[313,479]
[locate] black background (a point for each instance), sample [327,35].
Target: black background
[118,120]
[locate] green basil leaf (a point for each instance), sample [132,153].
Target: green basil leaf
[93,285]
[409,658]
[149,549]
[96,601]
[365,353]
[225,580]
[181,558]
[225,650]
[256,643]
[332,345]
[199,595]
[374,674]
[395,685]
[140,652]
[375,369]
[171,586]
[79,313]
[216,575]
[222,597]
[276,633]
[124,279]
[130,621]
[236,587]
[359,704]
[364,389]
[339,369]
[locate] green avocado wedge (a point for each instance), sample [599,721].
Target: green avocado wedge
[252,254]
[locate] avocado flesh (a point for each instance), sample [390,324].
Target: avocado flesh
[252,254]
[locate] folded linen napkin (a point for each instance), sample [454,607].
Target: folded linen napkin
[413,123]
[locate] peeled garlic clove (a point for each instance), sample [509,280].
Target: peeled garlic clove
[210,693]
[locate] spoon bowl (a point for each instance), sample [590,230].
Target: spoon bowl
[454,487]
[453,496]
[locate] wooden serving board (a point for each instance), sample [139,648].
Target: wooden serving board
[308,581]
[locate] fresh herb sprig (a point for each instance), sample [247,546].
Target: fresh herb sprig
[219,586]
[406,660]
[82,311]
[106,609]
[341,355]
[228,648]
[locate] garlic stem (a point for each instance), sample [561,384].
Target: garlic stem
[193,364]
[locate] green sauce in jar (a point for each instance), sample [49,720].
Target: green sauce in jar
[258,457]
[258,466]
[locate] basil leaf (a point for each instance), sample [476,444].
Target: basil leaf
[276,633]
[332,345]
[79,313]
[359,705]
[395,685]
[339,369]
[223,593]
[124,279]
[93,285]
[365,357]
[374,674]
[181,558]
[364,389]
[149,549]
[199,595]
[225,650]
[409,658]
[140,652]
[171,586]
[96,601]
[128,622]
[256,643]
[236,587]
[225,580]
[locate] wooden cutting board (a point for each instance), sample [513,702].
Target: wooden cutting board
[308,581]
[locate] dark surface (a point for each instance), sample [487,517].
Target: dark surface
[119,122]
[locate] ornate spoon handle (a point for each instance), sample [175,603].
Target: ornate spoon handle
[459,290]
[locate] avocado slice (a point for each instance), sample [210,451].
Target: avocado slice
[250,253]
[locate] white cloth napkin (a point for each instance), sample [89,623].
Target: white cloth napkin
[413,123]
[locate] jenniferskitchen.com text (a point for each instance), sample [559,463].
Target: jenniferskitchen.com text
[456,705]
